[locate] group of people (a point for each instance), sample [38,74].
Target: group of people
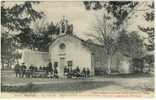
[48,71]
[30,71]
[69,72]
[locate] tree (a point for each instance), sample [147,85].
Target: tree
[16,29]
[104,33]
[149,30]
[130,45]
[119,9]
[18,18]
[149,17]
[43,32]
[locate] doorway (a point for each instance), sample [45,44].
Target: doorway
[62,65]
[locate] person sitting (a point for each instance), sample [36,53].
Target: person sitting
[50,75]
[71,72]
[55,73]
[40,68]
[78,70]
[65,70]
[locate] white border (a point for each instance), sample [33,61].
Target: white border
[78,98]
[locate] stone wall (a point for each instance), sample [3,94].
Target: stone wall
[35,58]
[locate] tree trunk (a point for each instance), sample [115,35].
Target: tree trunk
[109,64]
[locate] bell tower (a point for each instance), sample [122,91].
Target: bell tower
[65,27]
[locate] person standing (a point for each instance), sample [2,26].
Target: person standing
[50,69]
[31,68]
[23,69]
[55,73]
[84,72]
[88,72]
[17,70]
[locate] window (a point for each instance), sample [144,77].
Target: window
[55,64]
[70,63]
[62,46]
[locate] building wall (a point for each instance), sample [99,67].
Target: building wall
[74,51]
[122,63]
[98,58]
[119,63]
[35,58]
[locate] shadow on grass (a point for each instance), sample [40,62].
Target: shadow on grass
[131,75]
[79,86]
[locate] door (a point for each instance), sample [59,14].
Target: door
[62,65]
[92,64]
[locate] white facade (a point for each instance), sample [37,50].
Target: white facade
[72,52]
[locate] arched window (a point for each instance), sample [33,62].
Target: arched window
[62,46]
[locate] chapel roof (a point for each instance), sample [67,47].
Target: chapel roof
[90,45]
[84,41]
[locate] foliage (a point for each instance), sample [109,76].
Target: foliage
[130,44]
[108,32]
[19,16]
[119,9]
[149,17]
[45,33]
[149,30]
[104,33]
[16,29]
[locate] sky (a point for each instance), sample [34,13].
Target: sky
[81,18]
[75,12]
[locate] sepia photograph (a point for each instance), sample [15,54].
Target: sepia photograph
[77,48]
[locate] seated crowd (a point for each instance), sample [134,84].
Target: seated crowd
[69,72]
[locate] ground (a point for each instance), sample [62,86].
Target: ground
[99,85]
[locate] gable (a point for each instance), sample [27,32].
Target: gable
[65,39]
[77,41]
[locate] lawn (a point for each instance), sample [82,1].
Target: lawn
[99,84]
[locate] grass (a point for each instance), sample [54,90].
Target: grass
[131,75]
[26,88]
[114,82]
